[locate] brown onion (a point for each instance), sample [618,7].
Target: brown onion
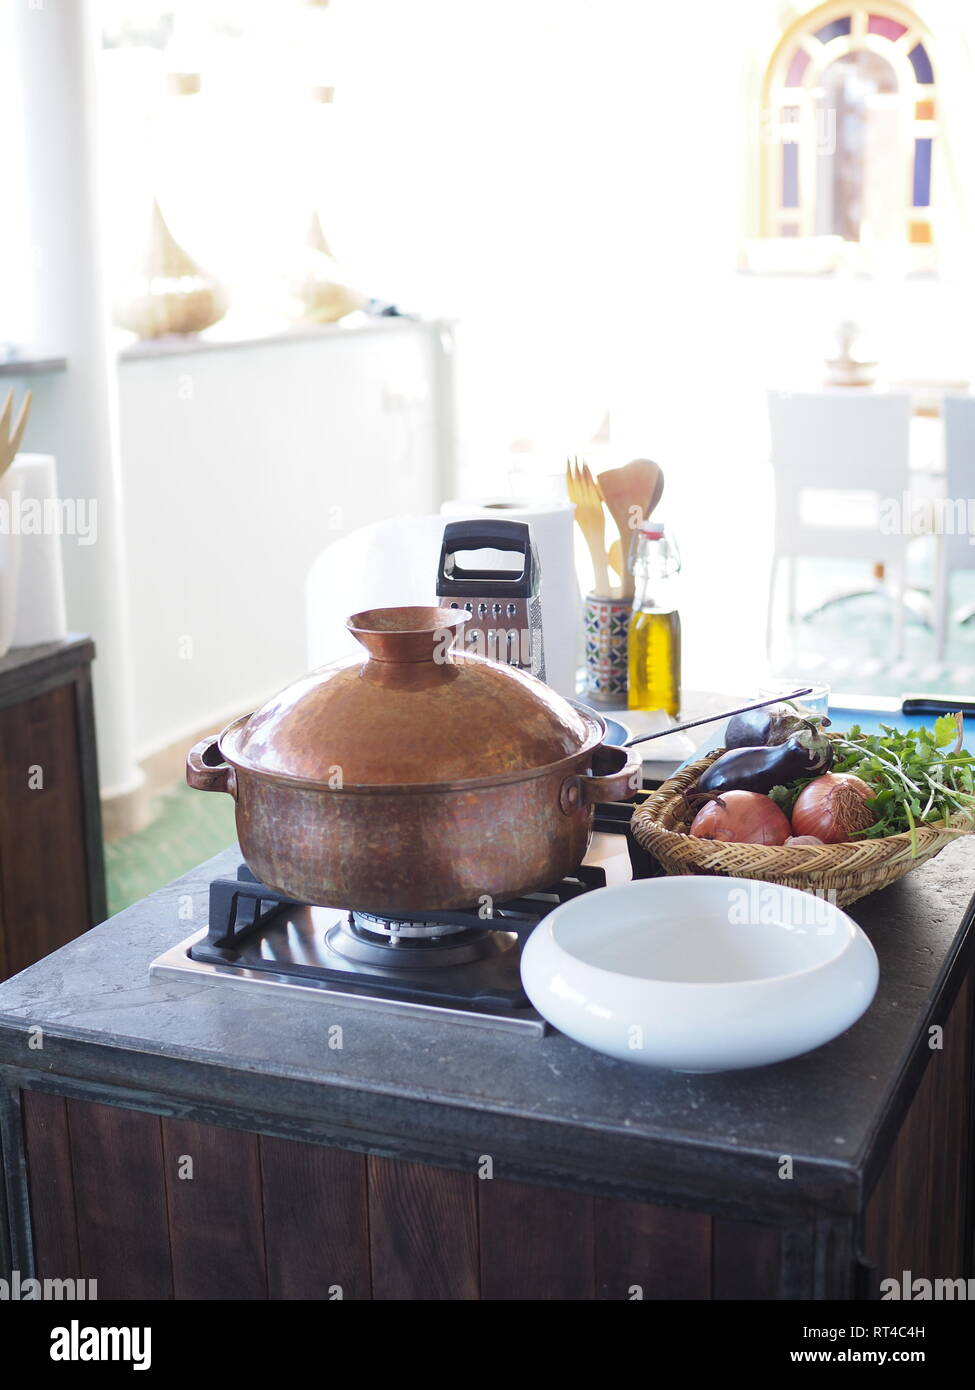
[832,807]
[804,840]
[744,818]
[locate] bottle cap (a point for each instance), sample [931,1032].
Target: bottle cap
[653,530]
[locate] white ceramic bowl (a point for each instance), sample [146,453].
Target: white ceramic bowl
[699,973]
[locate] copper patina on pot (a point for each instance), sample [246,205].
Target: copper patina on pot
[423,778]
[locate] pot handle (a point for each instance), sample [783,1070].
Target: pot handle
[616,776]
[206,770]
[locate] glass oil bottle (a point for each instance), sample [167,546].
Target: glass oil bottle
[654,637]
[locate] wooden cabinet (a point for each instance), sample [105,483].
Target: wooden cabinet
[52,884]
[156,1206]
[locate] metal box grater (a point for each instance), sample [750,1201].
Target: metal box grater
[504,604]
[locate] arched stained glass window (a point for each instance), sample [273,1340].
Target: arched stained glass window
[851,109]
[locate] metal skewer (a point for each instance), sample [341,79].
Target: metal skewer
[713,718]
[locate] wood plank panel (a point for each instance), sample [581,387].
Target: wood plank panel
[879,1235]
[916,1217]
[316,1221]
[661,1251]
[52,1202]
[213,1187]
[536,1242]
[5,971]
[746,1260]
[422,1231]
[94,850]
[42,852]
[120,1200]
[950,1140]
[912,1175]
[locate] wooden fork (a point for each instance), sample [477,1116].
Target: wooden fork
[10,441]
[584,492]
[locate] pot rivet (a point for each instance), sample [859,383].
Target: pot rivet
[569,796]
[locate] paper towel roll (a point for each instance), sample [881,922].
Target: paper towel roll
[9,563]
[551,520]
[391,563]
[40,593]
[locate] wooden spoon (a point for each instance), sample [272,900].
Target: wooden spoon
[615,557]
[630,493]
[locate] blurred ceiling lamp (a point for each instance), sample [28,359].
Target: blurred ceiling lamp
[850,365]
[168,292]
[320,292]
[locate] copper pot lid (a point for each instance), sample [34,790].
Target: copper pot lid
[418,711]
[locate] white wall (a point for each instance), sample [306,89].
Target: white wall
[239,465]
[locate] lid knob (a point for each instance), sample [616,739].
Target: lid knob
[408,634]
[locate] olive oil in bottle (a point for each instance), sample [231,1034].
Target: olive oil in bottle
[654,637]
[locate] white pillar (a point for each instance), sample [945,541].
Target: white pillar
[56,46]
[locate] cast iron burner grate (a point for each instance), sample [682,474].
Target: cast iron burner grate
[454,957]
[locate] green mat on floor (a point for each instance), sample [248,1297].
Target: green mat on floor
[187,828]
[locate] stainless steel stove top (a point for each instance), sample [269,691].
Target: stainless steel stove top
[307,937]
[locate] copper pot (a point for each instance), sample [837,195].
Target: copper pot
[424,778]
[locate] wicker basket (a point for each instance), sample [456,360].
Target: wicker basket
[846,871]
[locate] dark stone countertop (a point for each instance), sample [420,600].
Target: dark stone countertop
[546,1109]
[27,664]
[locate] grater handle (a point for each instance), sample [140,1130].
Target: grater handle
[485,533]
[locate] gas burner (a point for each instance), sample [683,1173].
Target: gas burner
[393,928]
[399,945]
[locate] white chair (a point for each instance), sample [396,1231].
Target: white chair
[956,541]
[838,456]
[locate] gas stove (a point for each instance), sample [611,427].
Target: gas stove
[457,965]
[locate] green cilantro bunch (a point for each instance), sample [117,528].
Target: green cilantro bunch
[922,776]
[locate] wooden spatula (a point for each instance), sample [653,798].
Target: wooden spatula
[630,493]
[10,439]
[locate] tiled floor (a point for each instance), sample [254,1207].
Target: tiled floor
[851,645]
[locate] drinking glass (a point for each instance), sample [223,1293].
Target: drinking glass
[811,706]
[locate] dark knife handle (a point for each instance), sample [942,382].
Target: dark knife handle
[938,704]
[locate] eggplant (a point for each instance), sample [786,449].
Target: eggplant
[758,727]
[807,753]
